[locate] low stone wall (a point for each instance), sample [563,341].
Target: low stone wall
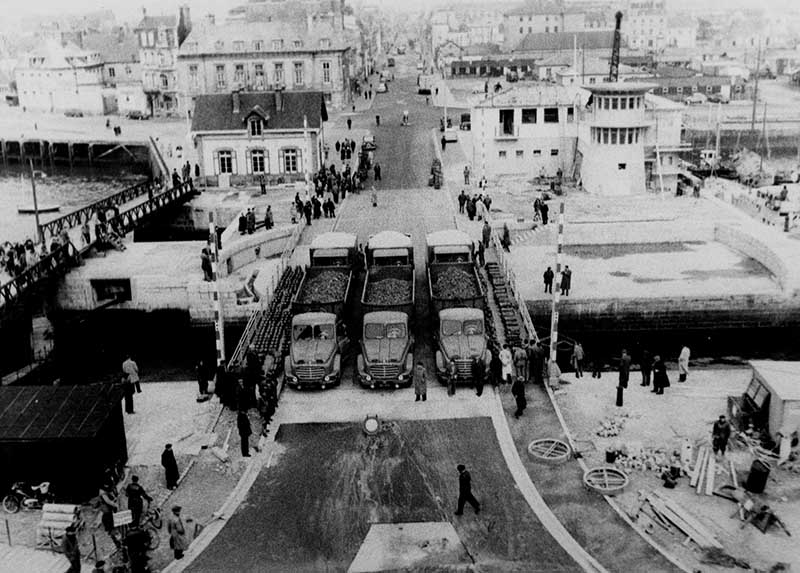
[242,251]
[740,240]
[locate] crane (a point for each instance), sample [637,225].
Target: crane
[613,72]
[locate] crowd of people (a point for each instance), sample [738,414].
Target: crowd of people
[17,257]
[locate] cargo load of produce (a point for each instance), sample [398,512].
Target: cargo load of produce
[324,288]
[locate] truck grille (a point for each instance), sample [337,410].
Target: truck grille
[309,372]
[464,368]
[384,371]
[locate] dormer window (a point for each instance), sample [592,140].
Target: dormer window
[219,45]
[298,43]
[256,126]
[277,44]
[325,43]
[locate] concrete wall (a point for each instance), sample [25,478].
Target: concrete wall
[755,248]
[57,90]
[241,251]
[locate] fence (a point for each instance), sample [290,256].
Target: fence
[55,263]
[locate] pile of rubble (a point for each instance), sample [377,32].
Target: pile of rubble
[657,460]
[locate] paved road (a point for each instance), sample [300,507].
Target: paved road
[313,515]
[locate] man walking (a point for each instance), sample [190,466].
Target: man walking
[683,364]
[462,200]
[71,549]
[420,383]
[377,171]
[507,360]
[136,496]
[544,210]
[486,233]
[624,369]
[131,370]
[465,491]
[481,254]
[127,393]
[566,281]
[719,435]
[548,280]
[477,371]
[243,425]
[177,533]
[170,467]
[466,175]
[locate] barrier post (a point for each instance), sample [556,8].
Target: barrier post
[556,298]
[219,323]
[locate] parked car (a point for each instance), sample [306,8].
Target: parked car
[382,89]
[73,113]
[136,114]
[368,143]
[695,99]
[718,98]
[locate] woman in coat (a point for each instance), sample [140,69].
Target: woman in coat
[420,382]
[177,533]
[683,364]
[660,378]
[507,361]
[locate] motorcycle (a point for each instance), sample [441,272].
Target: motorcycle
[27,496]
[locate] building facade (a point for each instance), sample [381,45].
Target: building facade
[541,18]
[58,78]
[644,25]
[122,73]
[241,136]
[526,131]
[159,39]
[264,56]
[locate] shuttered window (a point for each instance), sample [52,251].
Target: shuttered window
[257,161]
[291,160]
[224,161]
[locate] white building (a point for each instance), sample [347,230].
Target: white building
[527,130]
[615,138]
[644,25]
[541,18]
[240,136]
[57,78]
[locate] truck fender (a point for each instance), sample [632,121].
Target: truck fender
[337,363]
[360,363]
[439,361]
[287,365]
[409,362]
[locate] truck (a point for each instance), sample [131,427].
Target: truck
[318,332]
[387,358]
[457,301]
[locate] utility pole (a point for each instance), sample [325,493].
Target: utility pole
[307,162]
[219,321]
[755,87]
[556,298]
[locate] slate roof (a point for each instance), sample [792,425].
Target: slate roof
[157,21]
[113,48]
[565,40]
[55,412]
[541,8]
[215,112]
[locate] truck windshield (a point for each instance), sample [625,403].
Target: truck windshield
[451,327]
[312,332]
[473,327]
[391,330]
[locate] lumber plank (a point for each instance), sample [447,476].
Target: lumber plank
[734,479]
[699,484]
[711,473]
[690,520]
[696,472]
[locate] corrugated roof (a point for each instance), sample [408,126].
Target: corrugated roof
[55,412]
[565,41]
[215,112]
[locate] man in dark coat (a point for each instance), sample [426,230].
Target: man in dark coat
[624,368]
[660,378]
[477,371]
[566,280]
[170,467]
[481,254]
[243,425]
[462,199]
[176,179]
[242,223]
[518,391]
[71,549]
[307,211]
[486,234]
[720,434]
[377,171]
[471,209]
[496,368]
[128,391]
[548,280]
[465,491]
[136,496]
[536,362]
[646,364]
[544,210]
[263,182]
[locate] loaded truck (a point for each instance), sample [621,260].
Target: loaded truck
[457,301]
[318,333]
[387,358]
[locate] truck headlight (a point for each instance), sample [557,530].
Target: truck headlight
[367,377]
[294,378]
[401,377]
[327,378]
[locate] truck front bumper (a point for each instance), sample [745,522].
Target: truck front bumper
[332,379]
[368,380]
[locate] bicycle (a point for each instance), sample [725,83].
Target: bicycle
[151,522]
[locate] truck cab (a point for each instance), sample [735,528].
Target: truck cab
[315,354]
[386,358]
[318,334]
[461,336]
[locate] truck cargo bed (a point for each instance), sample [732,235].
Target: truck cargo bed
[393,296]
[323,289]
[462,278]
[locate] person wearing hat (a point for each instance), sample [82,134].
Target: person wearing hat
[170,467]
[465,491]
[177,533]
[136,496]
[71,549]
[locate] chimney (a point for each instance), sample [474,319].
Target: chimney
[279,98]
[144,12]
[235,100]
[211,19]
[309,22]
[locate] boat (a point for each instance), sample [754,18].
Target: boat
[45,208]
